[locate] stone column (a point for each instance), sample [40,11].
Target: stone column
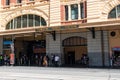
[79,12]
[1,45]
[69,12]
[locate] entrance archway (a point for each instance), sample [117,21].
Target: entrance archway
[74,48]
[29,47]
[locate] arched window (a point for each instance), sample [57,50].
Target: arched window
[24,21]
[115,12]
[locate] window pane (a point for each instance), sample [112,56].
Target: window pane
[31,0]
[7,2]
[8,26]
[82,10]
[15,23]
[19,1]
[118,11]
[24,21]
[30,17]
[19,22]
[74,11]
[43,22]
[66,12]
[11,25]
[37,20]
[112,14]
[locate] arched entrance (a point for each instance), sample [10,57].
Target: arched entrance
[74,48]
[28,46]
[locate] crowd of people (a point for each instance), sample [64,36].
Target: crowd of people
[4,59]
[38,60]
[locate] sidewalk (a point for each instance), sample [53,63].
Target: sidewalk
[57,73]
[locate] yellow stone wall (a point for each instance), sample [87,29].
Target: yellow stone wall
[55,18]
[7,14]
[98,10]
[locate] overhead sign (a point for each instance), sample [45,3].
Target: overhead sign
[7,42]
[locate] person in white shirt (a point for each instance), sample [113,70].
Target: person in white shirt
[57,58]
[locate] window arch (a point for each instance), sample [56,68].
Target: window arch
[115,12]
[75,41]
[24,21]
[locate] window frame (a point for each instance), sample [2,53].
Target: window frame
[24,22]
[114,12]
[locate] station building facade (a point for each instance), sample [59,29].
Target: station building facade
[68,28]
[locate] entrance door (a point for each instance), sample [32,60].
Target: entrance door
[71,57]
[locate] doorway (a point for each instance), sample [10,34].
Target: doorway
[70,57]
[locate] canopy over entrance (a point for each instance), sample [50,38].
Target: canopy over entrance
[116,48]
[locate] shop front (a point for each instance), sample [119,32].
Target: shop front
[115,56]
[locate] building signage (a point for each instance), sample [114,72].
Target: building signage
[116,49]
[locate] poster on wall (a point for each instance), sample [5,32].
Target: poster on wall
[39,47]
[7,44]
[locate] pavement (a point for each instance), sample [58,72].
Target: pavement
[57,73]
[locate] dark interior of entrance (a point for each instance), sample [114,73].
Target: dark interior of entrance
[70,57]
[116,58]
[31,51]
[28,49]
[74,54]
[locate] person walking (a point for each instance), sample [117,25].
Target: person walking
[1,60]
[57,60]
[12,59]
[5,59]
[52,60]
[45,63]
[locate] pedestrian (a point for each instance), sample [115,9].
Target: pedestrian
[1,59]
[48,60]
[12,59]
[112,61]
[56,60]
[84,59]
[5,59]
[45,63]
[53,59]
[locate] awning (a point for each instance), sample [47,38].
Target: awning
[117,48]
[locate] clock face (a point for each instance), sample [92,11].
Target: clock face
[113,33]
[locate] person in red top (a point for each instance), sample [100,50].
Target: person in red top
[12,59]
